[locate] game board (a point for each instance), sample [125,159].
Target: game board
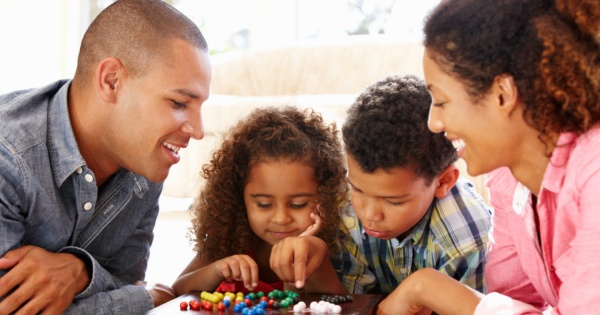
[362,304]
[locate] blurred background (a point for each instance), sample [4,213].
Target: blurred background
[40,38]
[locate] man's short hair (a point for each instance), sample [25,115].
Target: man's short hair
[135,32]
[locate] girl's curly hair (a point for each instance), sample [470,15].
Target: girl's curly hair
[549,47]
[219,220]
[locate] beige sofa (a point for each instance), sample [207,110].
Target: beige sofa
[323,76]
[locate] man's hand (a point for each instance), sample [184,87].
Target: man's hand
[40,281]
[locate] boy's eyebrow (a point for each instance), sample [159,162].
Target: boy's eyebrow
[384,197]
[349,182]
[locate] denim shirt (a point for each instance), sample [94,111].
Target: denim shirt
[49,199]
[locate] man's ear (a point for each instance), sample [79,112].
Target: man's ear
[505,93]
[109,74]
[445,181]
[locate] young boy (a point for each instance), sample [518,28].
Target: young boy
[410,208]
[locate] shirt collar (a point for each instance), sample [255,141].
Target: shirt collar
[556,169]
[62,147]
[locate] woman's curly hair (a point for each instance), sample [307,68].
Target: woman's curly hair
[386,128]
[549,47]
[219,219]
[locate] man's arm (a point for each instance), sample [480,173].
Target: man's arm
[61,276]
[125,267]
[24,270]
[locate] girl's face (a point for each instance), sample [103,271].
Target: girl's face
[279,198]
[474,128]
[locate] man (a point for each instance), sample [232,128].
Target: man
[82,161]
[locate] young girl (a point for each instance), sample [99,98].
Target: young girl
[277,180]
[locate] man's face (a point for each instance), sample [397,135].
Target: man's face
[388,203]
[158,112]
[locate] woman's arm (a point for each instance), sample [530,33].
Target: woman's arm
[429,290]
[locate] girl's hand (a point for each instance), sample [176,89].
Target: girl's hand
[240,268]
[294,259]
[314,228]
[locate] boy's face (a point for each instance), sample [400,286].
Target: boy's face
[388,203]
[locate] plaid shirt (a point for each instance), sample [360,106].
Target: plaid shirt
[452,237]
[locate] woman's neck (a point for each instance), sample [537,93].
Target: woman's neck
[531,161]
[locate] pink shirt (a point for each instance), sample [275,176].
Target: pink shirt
[563,270]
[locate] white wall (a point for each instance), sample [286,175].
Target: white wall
[39,41]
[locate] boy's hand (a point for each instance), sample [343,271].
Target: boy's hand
[40,281]
[240,268]
[294,259]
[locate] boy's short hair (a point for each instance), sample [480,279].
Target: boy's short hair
[386,128]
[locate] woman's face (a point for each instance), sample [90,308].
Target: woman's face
[473,127]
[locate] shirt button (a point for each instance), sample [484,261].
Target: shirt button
[89,178]
[403,270]
[79,170]
[87,206]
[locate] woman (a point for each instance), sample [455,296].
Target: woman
[516,87]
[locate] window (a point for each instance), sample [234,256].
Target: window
[46,45]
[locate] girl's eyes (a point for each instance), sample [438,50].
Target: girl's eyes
[292,205]
[263,205]
[438,104]
[299,206]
